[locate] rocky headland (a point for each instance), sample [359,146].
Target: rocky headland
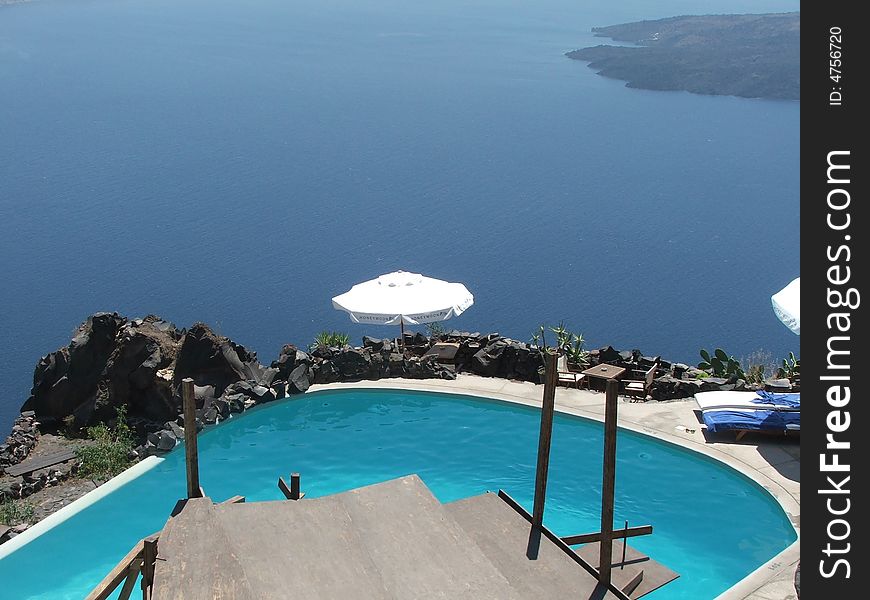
[113,361]
[753,56]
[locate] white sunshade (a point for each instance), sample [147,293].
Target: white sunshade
[404,298]
[787,305]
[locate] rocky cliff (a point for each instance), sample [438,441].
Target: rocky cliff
[754,56]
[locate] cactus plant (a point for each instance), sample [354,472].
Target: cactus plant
[791,367]
[720,364]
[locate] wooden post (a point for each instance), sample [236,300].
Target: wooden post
[293,492]
[121,571]
[547,407]
[130,582]
[624,545]
[608,483]
[190,450]
[149,557]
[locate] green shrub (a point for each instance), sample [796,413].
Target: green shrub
[110,452]
[15,512]
[759,364]
[568,343]
[435,329]
[755,374]
[330,339]
[577,353]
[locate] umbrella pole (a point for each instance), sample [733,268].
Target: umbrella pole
[402,334]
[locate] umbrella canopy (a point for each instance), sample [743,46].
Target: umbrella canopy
[400,297]
[787,305]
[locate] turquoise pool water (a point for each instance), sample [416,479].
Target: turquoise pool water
[712,525]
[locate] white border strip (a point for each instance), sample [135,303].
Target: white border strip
[76,506]
[768,573]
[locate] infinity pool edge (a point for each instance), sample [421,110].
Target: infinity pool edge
[79,504]
[777,568]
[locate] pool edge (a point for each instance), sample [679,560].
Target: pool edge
[78,505]
[528,394]
[774,571]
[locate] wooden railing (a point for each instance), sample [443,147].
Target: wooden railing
[627,532]
[140,560]
[126,571]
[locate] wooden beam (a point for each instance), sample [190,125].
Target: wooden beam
[149,557]
[624,545]
[105,588]
[191,452]
[608,482]
[130,582]
[288,491]
[234,500]
[547,533]
[40,462]
[632,584]
[559,543]
[544,438]
[285,489]
[585,538]
[295,486]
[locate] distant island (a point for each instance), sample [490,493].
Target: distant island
[753,56]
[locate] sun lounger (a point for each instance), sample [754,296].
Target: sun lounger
[743,412]
[742,421]
[748,400]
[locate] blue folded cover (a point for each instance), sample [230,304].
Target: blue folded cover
[792,400]
[755,420]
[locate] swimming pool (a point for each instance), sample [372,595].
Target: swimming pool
[712,524]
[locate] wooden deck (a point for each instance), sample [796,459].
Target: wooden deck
[390,540]
[654,576]
[503,536]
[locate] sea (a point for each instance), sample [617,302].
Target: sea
[241,163]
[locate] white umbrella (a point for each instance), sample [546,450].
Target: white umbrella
[787,305]
[400,297]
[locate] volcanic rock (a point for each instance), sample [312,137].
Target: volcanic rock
[214,360]
[299,379]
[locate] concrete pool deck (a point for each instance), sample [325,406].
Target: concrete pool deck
[773,462]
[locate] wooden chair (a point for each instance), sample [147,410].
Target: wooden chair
[566,376]
[640,389]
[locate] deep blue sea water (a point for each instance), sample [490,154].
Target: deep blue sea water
[240,163]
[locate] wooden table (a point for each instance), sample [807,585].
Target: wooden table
[603,371]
